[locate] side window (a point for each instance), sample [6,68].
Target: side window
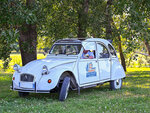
[102,51]
[88,54]
[112,51]
[88,50]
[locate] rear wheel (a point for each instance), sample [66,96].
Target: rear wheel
[23,94]
[116,84]
[64,89]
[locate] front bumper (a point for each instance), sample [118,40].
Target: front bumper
[30,90]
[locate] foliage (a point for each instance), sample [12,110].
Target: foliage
[60,19]
[132,17]
[15,14]
[8,37]
[64,19]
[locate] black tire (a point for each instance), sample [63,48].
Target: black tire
[64,89]
[116,84]
[23,94]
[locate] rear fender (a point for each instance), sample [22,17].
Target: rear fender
[117,70]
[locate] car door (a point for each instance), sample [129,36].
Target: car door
[114,61]
[104,61]
[88,68]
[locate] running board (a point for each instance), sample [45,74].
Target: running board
[88,86]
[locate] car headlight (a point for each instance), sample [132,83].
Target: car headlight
[17,68]
[45,70]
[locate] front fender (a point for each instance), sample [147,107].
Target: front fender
[54,75]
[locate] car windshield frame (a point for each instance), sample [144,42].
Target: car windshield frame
[64,49]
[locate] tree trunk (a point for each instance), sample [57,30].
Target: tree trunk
[108,20]
[147,46]
[28,40]
[27,43]
[82,19]
[123,62]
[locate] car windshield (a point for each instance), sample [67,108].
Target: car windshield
[66,49]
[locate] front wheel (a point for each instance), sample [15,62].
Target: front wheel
[116,84]
[64,89]
[23,94]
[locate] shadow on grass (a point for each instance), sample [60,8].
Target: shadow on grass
[72,94]
[131,87]
[13,95]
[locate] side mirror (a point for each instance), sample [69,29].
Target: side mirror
[17,68]
[44,53]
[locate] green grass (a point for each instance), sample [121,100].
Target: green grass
[133,97]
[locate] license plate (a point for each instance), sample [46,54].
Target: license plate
[26,85]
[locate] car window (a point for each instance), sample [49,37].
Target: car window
[88,50]
[102,51]
[112,51]
[88,54]
[89,45]
[67,49]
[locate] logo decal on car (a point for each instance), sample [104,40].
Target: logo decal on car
[90,70]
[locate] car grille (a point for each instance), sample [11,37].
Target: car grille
[27,78]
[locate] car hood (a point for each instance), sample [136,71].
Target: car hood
[37,65]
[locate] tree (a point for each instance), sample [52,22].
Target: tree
[83,18]
[136,23]
[74,19]
[108,19]
[131,23]
[126,22]
[111,30]
[19,21]
[8,34]
[28,38]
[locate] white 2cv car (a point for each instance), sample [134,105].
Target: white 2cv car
[71,64]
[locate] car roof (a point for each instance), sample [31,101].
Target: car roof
[106,42]
[69,40]
[80,40]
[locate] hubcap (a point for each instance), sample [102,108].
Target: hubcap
[117,83]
